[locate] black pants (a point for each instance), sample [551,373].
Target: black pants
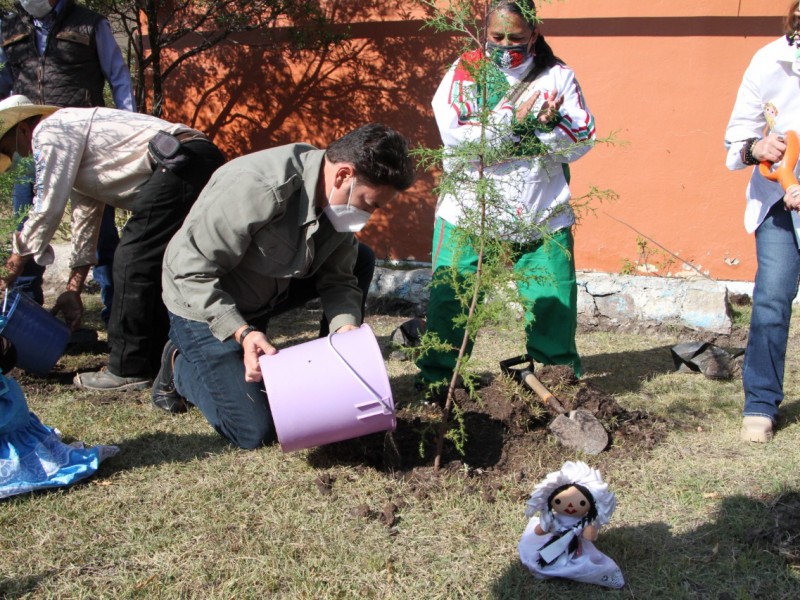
[138,326]
[303,290]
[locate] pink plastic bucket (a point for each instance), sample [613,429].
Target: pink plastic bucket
[328,390]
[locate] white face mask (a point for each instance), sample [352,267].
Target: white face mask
[36,8]
[346,218]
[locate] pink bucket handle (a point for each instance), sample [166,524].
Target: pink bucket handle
[386,410]
[376,413]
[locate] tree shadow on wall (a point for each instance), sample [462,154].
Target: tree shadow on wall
[251,94]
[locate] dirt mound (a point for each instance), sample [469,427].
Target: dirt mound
[506,426]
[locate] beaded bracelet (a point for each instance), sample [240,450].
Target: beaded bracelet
[746,152]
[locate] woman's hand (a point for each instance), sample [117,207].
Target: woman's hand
[526,106]
[770,148]
[791,200]
[254,345]
[549,109]
[552,104]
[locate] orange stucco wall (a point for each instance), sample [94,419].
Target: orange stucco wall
[661,76]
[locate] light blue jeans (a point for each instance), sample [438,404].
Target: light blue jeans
[775,288]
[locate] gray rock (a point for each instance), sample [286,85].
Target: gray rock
[581,431]
[605,300]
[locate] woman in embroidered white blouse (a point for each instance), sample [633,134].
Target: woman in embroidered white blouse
[532,101]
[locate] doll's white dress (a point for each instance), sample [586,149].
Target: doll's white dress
[587,564]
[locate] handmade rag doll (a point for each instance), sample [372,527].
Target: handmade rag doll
[567,510]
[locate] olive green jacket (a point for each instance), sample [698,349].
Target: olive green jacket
[253,229]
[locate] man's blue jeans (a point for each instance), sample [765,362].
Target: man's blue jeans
[31,278]
[210,373]
[775,288]
[102,272]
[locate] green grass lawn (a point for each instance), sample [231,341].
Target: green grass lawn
[181,514]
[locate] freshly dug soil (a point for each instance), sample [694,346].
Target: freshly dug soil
[506,426]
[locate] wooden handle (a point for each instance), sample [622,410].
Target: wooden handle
[784,174]
[546,395]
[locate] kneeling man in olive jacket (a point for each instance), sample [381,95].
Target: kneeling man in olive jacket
[270,231]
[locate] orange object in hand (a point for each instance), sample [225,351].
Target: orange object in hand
[784,174]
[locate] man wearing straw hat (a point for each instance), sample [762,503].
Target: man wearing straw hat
[94,157]
[270,230]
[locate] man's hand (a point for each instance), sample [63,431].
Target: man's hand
[346,328]
[254,345]
[14,266]
[791,199]
[70,304]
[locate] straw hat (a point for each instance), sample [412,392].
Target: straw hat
[14,110]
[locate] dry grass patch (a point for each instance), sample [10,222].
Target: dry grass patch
[179,513]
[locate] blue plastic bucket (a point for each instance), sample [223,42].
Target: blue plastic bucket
[39,337]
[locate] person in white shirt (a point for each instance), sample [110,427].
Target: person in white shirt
[96,157]
[767,106]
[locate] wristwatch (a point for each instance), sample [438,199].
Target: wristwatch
[247,330]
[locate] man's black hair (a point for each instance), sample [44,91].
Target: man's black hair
[378,153]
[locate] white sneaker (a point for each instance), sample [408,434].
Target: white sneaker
[757,429]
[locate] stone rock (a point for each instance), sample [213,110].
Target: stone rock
[399,290]
[608,301]
[581,431]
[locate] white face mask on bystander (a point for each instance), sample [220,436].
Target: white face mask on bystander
[36,8]
[344,217]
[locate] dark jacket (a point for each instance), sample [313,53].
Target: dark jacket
[68,73]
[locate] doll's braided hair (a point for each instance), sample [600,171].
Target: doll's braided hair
[591,515]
